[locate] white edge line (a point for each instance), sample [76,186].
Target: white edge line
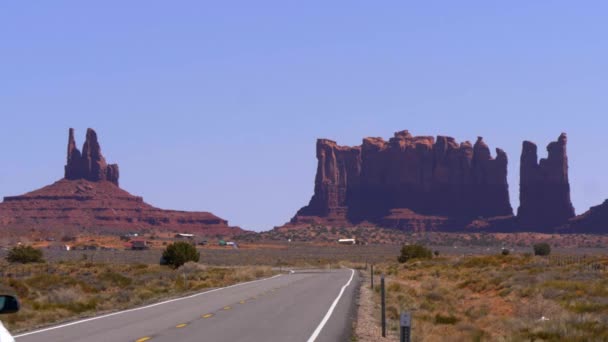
[141,308]
[317,331]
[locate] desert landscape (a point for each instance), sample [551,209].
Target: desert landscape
[310,171]
[101,246]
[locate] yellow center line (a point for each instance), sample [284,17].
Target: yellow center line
[143,339]
[208,316]
[242,302]
[227,307]
[181,325]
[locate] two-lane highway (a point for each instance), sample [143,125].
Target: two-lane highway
[314,305]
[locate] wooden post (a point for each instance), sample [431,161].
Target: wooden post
[383,304]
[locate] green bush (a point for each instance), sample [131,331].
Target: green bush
[542,249]
[505,251]
[24,255]
[409,252]
[179,253]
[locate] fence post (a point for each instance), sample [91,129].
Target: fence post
[405,324]
[383,303]
[372,275]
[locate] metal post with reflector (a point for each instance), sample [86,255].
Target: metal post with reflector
[405,327]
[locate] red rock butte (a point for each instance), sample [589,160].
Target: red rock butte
[88,197]
[544,188]
[422,183]
[427,182]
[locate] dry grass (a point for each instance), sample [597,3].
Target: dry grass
[57,292]
[498,298]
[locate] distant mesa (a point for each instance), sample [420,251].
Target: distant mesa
[594,221]
[420,183]
[412,183]
[433,183]
[88,197]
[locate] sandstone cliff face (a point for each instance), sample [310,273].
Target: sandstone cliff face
[338,172]
[544,187]
[90,164]
[440,178]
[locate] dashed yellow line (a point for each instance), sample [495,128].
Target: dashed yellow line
[143,339]
[181,325]
[208,316]
[227,307]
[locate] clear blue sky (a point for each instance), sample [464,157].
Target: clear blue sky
[216,106]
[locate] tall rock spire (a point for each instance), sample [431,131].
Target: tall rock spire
[90,165]
[544,189]
[74,158]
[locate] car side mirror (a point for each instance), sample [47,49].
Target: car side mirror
[8,304]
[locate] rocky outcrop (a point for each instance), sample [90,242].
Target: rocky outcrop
[337,178]
[89,200]
[427,176]
[90,164]
[594,221]
[544,190]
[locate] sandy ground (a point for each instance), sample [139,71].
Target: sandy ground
[367,328]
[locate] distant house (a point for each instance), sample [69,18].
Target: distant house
[347,241]
[139,245]
[184,236]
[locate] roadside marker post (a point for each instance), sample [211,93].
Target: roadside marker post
[372,275]
[405,324]
[383,303]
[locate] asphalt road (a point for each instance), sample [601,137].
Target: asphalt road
[313,305]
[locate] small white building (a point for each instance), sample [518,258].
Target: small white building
[347,241]
[184,236]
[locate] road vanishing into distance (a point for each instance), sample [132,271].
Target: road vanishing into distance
[307,305]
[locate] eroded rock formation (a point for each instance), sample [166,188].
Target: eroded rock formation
[544,190]
[337,178]
[90,164]
[89,199]
[429,177]
[594,221]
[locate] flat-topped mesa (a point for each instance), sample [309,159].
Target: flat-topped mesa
[90,164]
[429,176]
[544,187]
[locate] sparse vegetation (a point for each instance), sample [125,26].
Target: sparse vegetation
[24,254]
[55,292]
[410,252]
[449,319]
[542,249]
[511,297]
[179,253]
